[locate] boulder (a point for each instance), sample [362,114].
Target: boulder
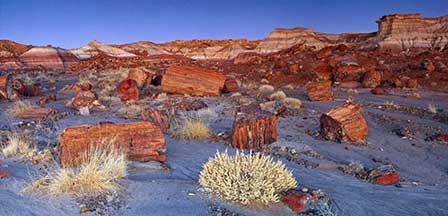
[294,68]
[378,91]
[143,78]
[142,141]
[253,130]
[44,99]
[128,90]
[348,72]
[322,72]
[344,124]
[231,86]
[411,83]
[384,175]
[371,79]
[11,88]
[194,81]
[320,91]
[31,90]
[84,99]
[325,52]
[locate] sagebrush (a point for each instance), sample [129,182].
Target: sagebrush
[246,179]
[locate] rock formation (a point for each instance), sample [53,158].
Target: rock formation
[94,48]
[404,31]
[47,57]
[143,48]
[282,38]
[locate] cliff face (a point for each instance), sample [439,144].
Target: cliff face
[47,57]
[209,49]
[285,38]
[403,31]
[143,48]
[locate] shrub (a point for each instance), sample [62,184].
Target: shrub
[278,96]
[266,89]
[192,129]
[19,108]
[132,111]
[292,103]
[17,145]
[98,174]
[246,179]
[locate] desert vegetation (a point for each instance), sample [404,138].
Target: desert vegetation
[246,178]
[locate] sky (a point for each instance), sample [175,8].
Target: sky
[73,23]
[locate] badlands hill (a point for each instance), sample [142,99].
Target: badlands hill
[396,32]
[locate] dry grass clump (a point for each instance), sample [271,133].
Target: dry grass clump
[17,145]
[132,111]
[192,129]
[266,89]
[432,108]
[278,96]
[98,174]
[292,103]
[246,179]
[19,108]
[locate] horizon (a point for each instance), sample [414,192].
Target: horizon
[70,24]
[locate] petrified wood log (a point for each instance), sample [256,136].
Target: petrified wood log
[84,99]
[143,78]
[38,113]
[193,81]
[344,124]
[128,90]
[252,131]
[11,88]
[230,86]
[31,90]
[157,117]
[320,91]
[142,141]
[371,79]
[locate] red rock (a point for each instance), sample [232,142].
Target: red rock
[325,52]
[143,78]
[372,79]
[3,173]
[230,86]
[194,81]
[296,201]
[252,131]
[411,83]
[387,179]
[320,91]
[128,90]
[294,68]
[429,66]
[142,141]
[48,58]
[348,73]
[11,88]
[441,137]
[157,117]
[44,99]
[32,90]
[344,124]
[323,72]
[378,91]
[84,99]
[38,113]
[247,57]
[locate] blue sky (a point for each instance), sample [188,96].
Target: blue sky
[72,23]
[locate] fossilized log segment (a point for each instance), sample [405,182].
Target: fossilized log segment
[11,88]
[320,91]
[252,131]
[142,141]
[192,81]
[39,113]
[230,86]
[344,124]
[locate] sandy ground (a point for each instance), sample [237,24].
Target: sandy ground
[148,190]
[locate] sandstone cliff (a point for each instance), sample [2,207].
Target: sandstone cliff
[403,31]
